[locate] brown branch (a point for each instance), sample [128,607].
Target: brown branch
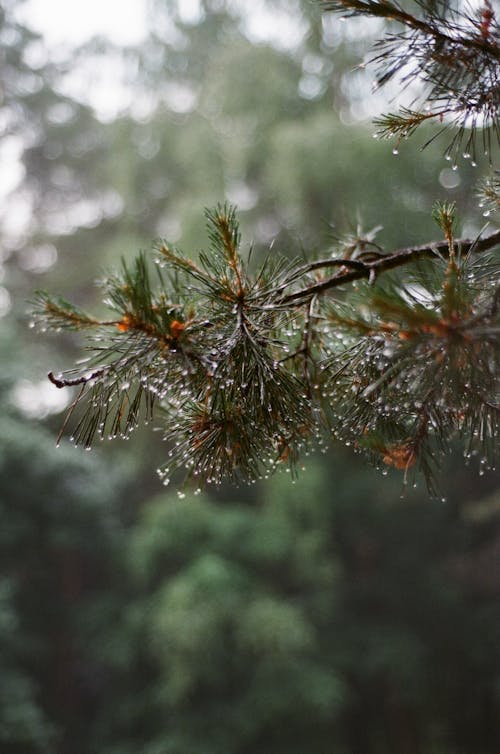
[77,381]
[398,258]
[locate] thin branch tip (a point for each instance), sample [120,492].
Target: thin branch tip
[55,381]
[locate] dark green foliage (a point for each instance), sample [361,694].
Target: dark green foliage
[326,616]
[57,523]
[321,620]
[24,727]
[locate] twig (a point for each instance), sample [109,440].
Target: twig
[78,381]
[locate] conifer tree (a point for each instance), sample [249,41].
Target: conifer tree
[394,352]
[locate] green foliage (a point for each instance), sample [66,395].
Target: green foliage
[318,620]
[58,520]
[23,725]
[238,658]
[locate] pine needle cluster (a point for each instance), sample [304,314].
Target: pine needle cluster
[421,362]
[207,343]
[452,52]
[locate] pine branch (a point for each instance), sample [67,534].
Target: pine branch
[455,56]
[403,124]
[250,369]
[418,370]
[372,270]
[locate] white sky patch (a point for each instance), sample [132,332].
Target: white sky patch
[72,22]
[16,215]
[179,98]
[190,11]
[5,301]
[66,24]
[102,83]
[283,29]
[38,259]
[36,400]
[69,23]
[86,213]
[242,194]
[12,171]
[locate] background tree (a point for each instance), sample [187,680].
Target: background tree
[316,619]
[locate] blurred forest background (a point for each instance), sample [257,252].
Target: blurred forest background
[328,616]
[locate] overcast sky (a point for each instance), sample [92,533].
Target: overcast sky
[75,21]
[71,22]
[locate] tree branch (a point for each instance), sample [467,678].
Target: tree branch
[371,270]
